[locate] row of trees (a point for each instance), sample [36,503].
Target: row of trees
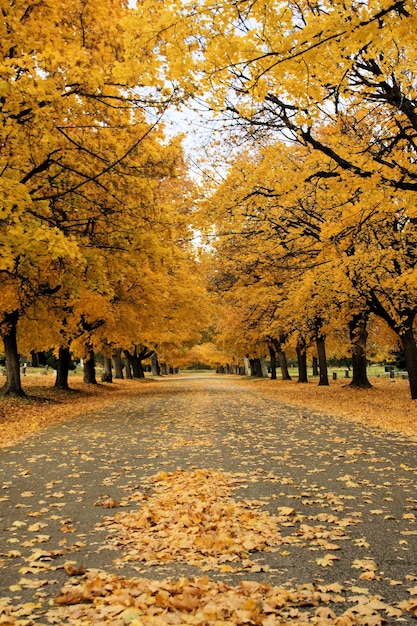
[284,280]
[314,227]
[316,221]
[94,199]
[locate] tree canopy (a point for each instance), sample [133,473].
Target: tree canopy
[94,195]
[312,232]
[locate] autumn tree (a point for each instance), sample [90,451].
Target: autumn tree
[287,70]
[274,255]
[78,85]
[140,289]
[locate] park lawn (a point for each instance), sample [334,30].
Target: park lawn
[386,406]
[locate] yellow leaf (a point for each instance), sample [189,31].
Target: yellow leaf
[131,615]
[327,560]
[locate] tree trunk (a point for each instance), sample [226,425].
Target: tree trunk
[155,368]
[256,368]
[137,366]
[410,354]
[37,358]
[406,335]
[252,367]
[302,361]
[358,337]
[246,365]
[142,354]
[64,360]
[321,353]
[285,375]
[117,362]
[273,358]
[140,368]
[128,364]
[315,366]
[13,384]
[107,375]
[89,368]
[264,367]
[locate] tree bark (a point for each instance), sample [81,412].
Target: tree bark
[321,354]
[37,358]
[315,366]
[358,337]
[107,375]
[285,375]
[142,354]
[89,368]
[117,362]
[246,365]
[256,368]
[155,368]
[302,361]
[64,360]
[273,359]
[405,333]
[128,364]
[410,354]
[13,384]
[137,368]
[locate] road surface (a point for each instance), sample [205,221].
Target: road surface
[343,496]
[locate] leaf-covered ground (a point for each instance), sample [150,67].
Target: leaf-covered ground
[45,405]
[387,405]
[204,501]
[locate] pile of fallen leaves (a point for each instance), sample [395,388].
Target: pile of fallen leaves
[102,598]
[204,525]
[191,517]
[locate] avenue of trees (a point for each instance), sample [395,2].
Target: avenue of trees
[311,233]
[316,220]
[94,228]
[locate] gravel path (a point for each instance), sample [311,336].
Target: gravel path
[329,481]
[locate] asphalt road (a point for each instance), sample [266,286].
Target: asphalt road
[329,481]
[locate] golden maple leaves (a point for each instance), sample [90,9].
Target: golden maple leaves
[92,206]
[206,526]
[106,598]
[332,230]
[192,518]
